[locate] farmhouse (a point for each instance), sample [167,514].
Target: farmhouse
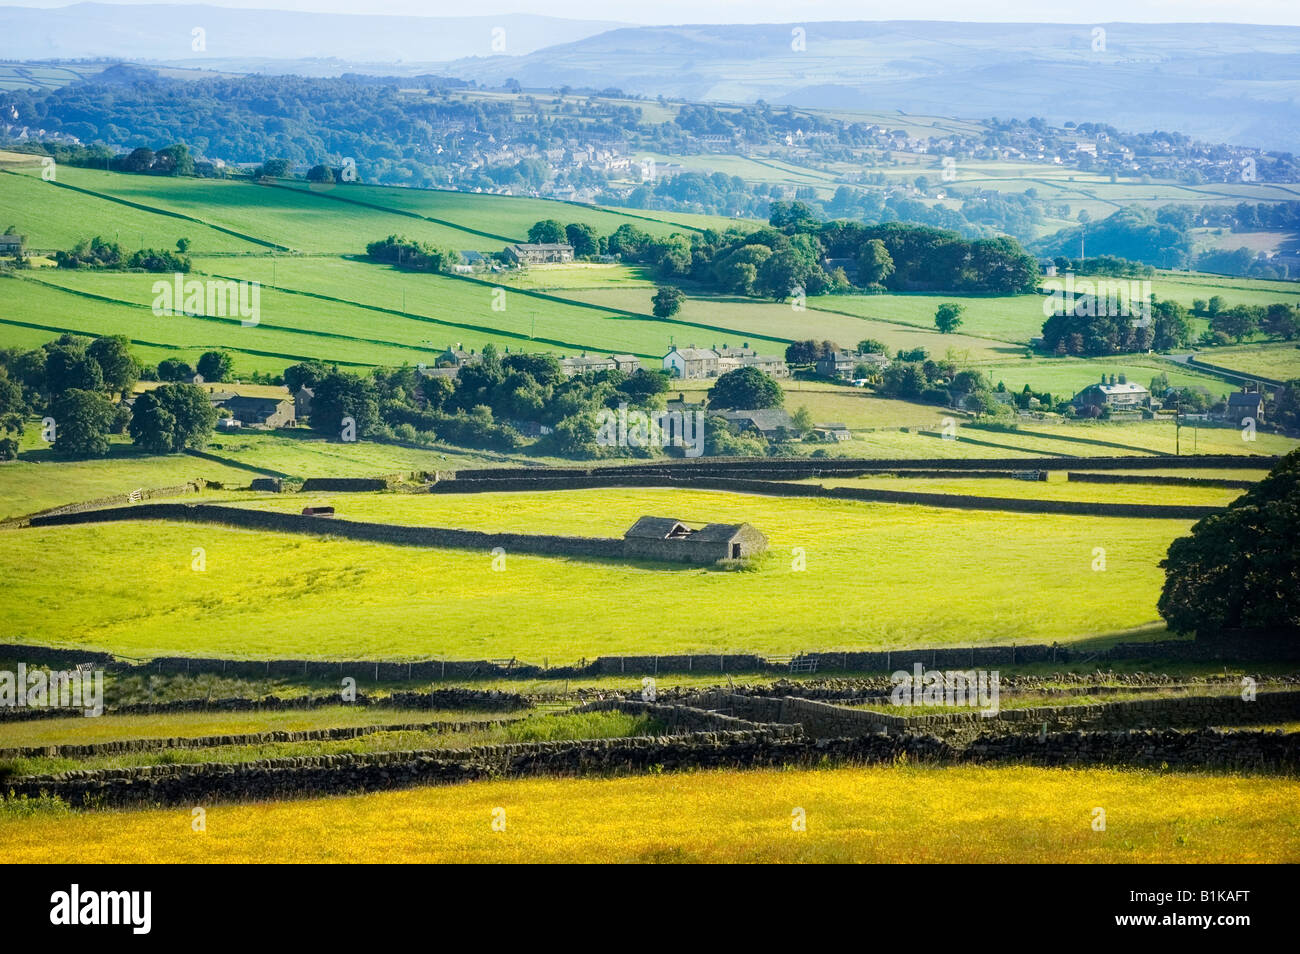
[11,244]
[1118,394]
[302,401]
[261,411]
[456,357]
[771,423]
[663,538]
[1242,405]
[692,362]
[540,253]
[838,364]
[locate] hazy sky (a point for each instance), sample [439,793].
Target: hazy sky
[796,11]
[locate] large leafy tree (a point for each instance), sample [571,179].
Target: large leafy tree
[340,395]
[68,366]
[171,418]
[874,263]
[1239,571]
[119,369]
[667,301]
[546,232]
[82,422]
[215,366]
[745,389]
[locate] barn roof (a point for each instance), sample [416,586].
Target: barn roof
[654,528]
[718,532]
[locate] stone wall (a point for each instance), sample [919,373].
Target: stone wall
[122,746]
[824,720]
[1159,479]
[795,468]
[343,774]
[396,534]
[541,481]
[455,699]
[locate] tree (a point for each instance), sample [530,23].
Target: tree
[874,263]
[275,169]
[82,422]
[320,173]
[174,369]
[340,395]
[872,346]
[174,160]
[306,374]
[947,318]
[139,160]
[1282,320]
[117,367]
[745,389]
[67,366]
[802,420]
[171,418]
[215,366]
[182,245]
[546,232]
[667,301]
[1238,322]
[583,238]
[784,273]
[1239,571]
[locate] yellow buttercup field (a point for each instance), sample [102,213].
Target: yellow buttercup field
[895,814]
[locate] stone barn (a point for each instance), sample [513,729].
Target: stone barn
[663,538]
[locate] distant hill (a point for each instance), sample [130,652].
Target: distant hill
[1220,82]
[161,32]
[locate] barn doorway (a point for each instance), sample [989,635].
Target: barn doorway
[735,551]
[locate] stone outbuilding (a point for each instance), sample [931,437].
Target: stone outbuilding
[664,538]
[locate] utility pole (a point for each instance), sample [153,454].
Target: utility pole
[1177,431]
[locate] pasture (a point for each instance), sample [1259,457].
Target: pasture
[877,576]
[854,814]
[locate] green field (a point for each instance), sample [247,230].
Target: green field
[877,576]
[1279,361]
[920,814]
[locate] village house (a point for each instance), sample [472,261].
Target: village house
[692,362]
[838,364]
[584,364]
[663,538]
[627,363]
[261,411]
[1244,404]
[772,423]
[540,253]
[302,401]
[1118,394]
[456,357]
[731,359]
